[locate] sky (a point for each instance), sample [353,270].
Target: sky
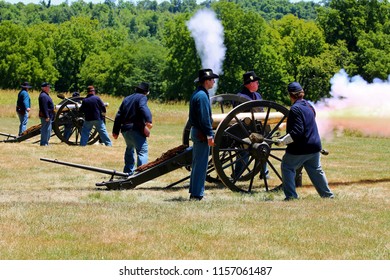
[57,2]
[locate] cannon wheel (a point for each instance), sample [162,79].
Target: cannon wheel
[249,140]
[221,104]
[69,121]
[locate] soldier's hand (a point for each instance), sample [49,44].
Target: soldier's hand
[287,139]
[210,142]
[146,131]
[149,125]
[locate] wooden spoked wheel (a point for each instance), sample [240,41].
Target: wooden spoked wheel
[69,121]
[245,156]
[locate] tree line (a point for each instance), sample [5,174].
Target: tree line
[115,45]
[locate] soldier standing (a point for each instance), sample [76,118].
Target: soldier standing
[23,106]
[94,111]
[303,146]
[134,120]
[202,134]
[46,113]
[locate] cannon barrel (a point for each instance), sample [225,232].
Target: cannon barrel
[74,105]
[272,117]
[87,167]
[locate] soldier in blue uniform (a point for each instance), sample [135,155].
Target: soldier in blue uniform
[202,134]
[134,120]
[46,113]
[303,146]
[249,91]
[250,86]
[23,106]
[94,110]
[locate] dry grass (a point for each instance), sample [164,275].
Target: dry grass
[49,211]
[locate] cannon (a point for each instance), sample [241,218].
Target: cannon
[245,133]
[66,125]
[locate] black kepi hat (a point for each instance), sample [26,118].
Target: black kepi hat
[45,84]
[26,85]
[206,74]
[143,86]
[249,77]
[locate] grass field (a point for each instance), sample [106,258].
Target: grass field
[49,211]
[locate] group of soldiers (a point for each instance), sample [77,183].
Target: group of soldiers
[92,107]
[302,137]
[134,120]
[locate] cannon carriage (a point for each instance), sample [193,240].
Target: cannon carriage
[66,125]
[245,135]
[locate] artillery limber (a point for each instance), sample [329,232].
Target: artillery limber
[245,132]
[66,125]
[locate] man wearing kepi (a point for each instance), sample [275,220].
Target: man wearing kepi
[303,146]
[202,134]
[46,113]
[94,110]
[134,120]
[23,105]
[250,87]
[249,91]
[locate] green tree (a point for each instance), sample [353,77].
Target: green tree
[182,59]
[74,41]
[60,13]
[26,54]
[40,55]
[251,45]
[374,49]
[306,54]
[353,20]
[13,38]
[276,9]
[347,19]
[119,69]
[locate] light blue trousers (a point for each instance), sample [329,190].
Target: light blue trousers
[200,159]
[23,122]
[312,165]
[101,129]
[135,142]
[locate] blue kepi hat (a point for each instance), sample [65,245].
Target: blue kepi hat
[294,87]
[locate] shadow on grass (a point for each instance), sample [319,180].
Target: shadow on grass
[344,183]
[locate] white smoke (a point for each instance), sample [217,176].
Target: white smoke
[208,34]
[356,105]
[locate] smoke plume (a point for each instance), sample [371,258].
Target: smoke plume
[355,105]
[207,32]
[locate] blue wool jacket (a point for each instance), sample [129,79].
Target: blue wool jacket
[249,95]
[132,114]
[301,125]
[23,102]
[93,107]
[200,111]
[46,106]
